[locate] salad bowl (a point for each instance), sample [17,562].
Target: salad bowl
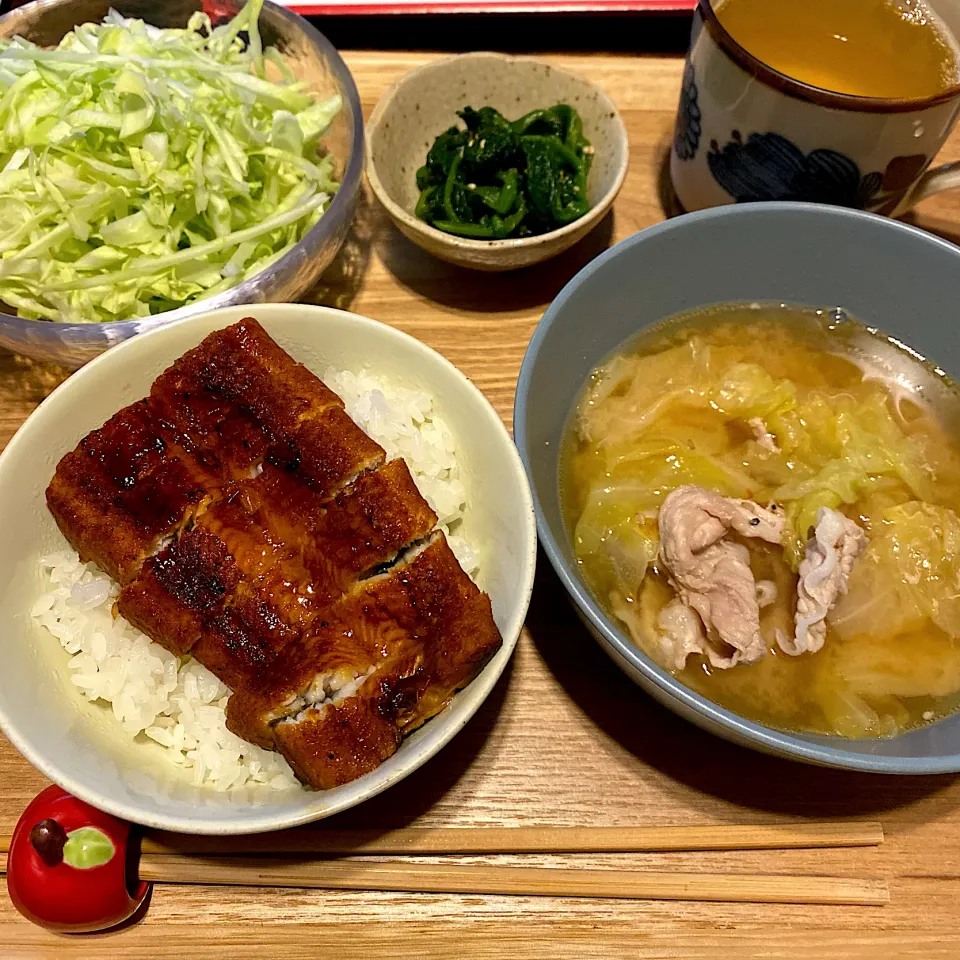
[313,60]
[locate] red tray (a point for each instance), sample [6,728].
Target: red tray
[355,7]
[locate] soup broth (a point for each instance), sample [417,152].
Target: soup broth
[868,48]
[803,409]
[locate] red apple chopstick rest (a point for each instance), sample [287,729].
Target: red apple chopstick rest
[68,863]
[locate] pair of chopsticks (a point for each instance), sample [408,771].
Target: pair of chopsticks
[177,858]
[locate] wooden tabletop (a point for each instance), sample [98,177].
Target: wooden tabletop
[565,738]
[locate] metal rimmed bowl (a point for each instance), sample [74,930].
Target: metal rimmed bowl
[313,59]
[887,274]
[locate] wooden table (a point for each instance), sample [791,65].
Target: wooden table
[565,738]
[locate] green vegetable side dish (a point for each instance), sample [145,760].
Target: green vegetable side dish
[497,180]
[142,169]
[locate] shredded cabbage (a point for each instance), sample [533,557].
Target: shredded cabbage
[141,169]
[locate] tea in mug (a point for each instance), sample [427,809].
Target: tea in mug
[894,49]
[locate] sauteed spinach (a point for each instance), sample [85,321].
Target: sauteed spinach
[498,179]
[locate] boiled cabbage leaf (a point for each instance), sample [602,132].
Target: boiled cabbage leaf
[844,448]
[746,391]
[909,574]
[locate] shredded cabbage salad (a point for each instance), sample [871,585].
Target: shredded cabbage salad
[141,169]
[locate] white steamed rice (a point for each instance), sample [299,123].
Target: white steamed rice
[178,703]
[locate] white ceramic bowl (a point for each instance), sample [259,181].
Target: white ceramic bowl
[78,744]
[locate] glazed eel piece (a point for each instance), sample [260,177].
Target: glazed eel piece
[378,663]
[125,488]
[256,570]
[212,419]
[239,385]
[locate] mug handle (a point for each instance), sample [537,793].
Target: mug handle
[944,177]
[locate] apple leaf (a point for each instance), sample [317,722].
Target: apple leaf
[88,847]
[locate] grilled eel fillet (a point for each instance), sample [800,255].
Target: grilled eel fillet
[227,406]
[125,488]
[237,505]
[383,659]
[257,569]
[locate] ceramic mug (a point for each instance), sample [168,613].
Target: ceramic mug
[747,132]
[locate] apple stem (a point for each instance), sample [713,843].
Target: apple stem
[48,838]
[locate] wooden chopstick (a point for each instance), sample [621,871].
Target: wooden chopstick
[518,881]
[493,840]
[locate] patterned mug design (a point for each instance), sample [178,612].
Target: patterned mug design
[686,136]
[768,166]
[747,133]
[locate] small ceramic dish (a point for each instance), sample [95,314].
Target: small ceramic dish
[79,744]
[425,102]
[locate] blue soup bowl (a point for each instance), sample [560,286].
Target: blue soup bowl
[885,273]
